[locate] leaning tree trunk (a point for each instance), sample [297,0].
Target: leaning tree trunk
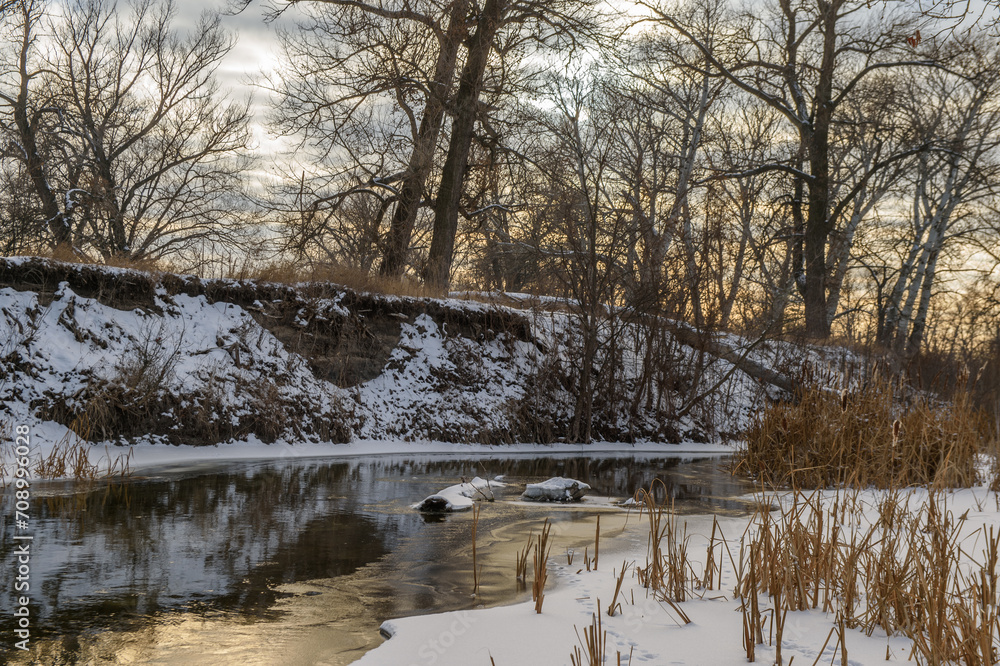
[34,164]
[56,220]
[453,175]
[422,159]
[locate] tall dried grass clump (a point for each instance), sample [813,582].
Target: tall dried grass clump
[668,572]
[70,458]
[864,437]
[594,643]
[905,570]
[541,560]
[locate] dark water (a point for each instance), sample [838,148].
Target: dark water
[211,541]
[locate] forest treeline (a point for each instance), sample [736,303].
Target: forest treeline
[823,167]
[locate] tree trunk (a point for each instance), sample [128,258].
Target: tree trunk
[118,244]
[55,219]
[919,325]
[453,175]
[817,231]
[422,159]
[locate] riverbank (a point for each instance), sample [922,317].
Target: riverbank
[121,357]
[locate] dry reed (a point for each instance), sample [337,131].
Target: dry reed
[618,589]
[865,437]
[668,571]
[521,561]
[542,548]
[476,570]
[594,643]
[901,572]
[70,458]
[597,541]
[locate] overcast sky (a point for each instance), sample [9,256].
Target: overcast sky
[256,50]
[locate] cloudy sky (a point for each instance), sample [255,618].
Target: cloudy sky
[256,50]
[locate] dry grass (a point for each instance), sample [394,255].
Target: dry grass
[597,541]
[862,438]
[615,605]
[903,566]
[295,272]
[712,575]
[136,400]
[521,561]
[594,643]
[68,458]
[7,467]
[476,570]
[66,254]
[902,573]
[668,572]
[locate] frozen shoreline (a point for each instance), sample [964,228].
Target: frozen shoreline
[153,455]
[645,630]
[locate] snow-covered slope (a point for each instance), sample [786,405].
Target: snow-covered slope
[124,356]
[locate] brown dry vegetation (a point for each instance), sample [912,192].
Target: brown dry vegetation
[868,436]
[298,272]
[69,458]
[903,566]
[900,574]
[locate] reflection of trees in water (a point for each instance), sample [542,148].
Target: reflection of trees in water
[218,541]
[608,476]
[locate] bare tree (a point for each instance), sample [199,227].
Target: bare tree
[660,113]
[130,148]
[20,220]
[747,229]
[949,185]
[806,59]
[33,124]
[544,22]
[588,238]
[365,88]
[164,149]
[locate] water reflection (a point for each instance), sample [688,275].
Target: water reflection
[195,541]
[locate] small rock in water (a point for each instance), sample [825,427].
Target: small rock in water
[459,497]
[434,504]
[556,489]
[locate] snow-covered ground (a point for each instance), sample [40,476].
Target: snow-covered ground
[647,630]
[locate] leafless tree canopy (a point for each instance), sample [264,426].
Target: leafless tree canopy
[824,167]
[113,120]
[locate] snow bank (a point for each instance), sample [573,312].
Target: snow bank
[137,358]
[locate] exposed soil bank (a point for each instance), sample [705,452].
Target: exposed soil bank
[124,356]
